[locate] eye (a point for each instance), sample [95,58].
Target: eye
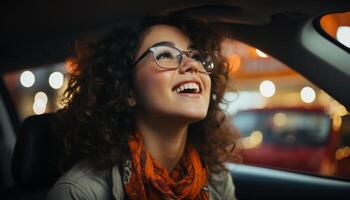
[164,55]
[196,55]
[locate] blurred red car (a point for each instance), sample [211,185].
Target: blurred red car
[289,138]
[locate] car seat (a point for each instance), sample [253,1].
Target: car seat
[34,167]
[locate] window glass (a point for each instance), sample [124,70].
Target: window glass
[36,90]
[337,26]
[285,126]
[284,121]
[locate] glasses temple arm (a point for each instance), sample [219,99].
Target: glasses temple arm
[141,57]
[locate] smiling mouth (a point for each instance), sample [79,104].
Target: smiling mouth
[189,88]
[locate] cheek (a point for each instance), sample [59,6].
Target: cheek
[207,82]
[151,85]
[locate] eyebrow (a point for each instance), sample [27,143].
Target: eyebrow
[171,44]
[164,43]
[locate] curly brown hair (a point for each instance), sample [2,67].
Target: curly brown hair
[96,120]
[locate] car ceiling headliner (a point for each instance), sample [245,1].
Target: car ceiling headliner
[26,21]
[26,25]
[38,32]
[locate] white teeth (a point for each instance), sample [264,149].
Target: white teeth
[191,85]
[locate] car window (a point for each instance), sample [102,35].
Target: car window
[36,90]
[285,127]
[337,26]
[284,121]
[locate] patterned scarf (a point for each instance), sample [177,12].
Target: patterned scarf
[145,178]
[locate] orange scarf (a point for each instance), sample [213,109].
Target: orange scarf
[145,178]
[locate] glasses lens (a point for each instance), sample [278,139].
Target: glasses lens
[204,59]
[167,57]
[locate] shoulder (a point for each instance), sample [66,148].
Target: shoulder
[221,186]
[83,181]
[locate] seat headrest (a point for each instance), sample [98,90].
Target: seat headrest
[33,162]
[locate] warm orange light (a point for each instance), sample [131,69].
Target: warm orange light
[234,63]
[331,22]
[342,153]
[339,154]
[70,66]
[327,167]
[337,121]
[252,141]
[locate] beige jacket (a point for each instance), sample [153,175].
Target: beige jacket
[86,183]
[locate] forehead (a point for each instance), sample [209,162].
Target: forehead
[159,33]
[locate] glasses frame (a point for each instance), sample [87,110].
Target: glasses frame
[152,49]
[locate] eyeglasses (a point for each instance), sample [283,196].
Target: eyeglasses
[171,57]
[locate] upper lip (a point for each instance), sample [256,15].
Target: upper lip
[191,80]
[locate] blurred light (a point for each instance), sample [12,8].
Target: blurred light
[241,100]
[307,94]
[323,98]
[343,35]
[339,154]
[234,63]
[267,88]
[27,78]
[69,66]
[336,123]
[262,103]
[261,54]
[39,107]
[341,110]
[40,96]
[256,138]
[251,141]
[342,153]
[56,80]
[59,105]
[280,119]
[327,167]
[335,108]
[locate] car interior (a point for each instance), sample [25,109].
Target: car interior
[42,32]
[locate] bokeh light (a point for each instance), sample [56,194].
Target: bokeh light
[343,35]
[27,79]
[40,96]
[56,80]
[252,141]
[279,119]
[337,122]
[39,107]
[267,88]
[342,153]
[307,95]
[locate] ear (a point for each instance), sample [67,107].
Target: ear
[131,99]
[131,102]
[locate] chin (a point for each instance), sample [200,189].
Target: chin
[194,117]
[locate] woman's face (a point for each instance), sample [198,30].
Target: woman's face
[159,92]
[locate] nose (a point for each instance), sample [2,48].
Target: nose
[188,65]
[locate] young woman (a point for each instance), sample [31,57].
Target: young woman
[142,119]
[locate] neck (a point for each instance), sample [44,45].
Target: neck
[164,139]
